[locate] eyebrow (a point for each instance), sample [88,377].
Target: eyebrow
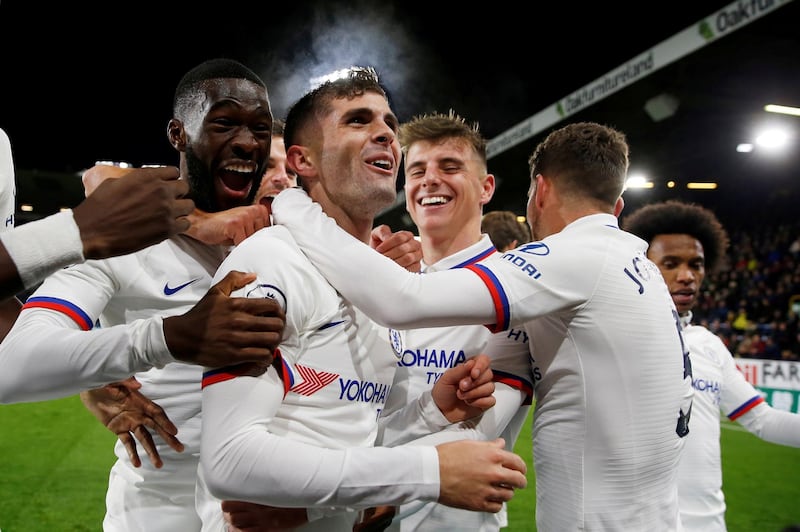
[389,118]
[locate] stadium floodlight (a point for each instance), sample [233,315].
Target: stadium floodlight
[638,181]
[773,139]
[782,109]
[697,185]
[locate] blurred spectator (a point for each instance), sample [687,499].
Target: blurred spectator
[748,303]
[505,231]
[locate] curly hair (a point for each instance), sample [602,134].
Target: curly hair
[675,217]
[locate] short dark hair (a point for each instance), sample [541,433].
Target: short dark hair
[503,228]
[584,158]
[675,217]
[217,68]
[315,103]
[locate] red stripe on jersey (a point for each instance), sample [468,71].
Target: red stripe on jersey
[237,370]
[80,319]
[498,297]
[745,408]
[515,382]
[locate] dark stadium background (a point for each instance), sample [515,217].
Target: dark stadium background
[88,81]
[94,83]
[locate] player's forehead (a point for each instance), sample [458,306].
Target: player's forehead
[369,103]
[679,245]
[439,150]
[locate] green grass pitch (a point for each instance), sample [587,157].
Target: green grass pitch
[55,457]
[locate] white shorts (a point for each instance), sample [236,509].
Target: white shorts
[137,504]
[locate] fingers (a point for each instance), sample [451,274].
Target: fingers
[378,235]
[130,383]
[136,416]
[233,281]
[94,176]
[514,464]
[146,440]
[479,397]
[130,446]
[402,247]
[480,365]
[479,475]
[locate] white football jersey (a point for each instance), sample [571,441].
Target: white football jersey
[427,353]
[85,321]
[611,374]
[718,386]
[336,372]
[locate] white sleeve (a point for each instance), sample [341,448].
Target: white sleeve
[8,184]
[385,291]
[741,402]
[53,350]
[488,426]
[47,357]
[243,460]
[416,419]
[773,425]
[42,247]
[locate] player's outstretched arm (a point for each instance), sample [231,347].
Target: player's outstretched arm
[378,286]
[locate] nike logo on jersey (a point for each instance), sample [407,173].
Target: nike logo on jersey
[169,291]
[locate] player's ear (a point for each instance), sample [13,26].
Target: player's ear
[176,134]
[487,189]
[619,206]
[301,161]
[541,190]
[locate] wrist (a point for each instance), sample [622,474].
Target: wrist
[44,246]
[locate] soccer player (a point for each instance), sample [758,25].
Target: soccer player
[302,434]
[611,377]
[686,241]
[158,306]
[446,186]
[278,176]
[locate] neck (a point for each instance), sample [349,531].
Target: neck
[437,247]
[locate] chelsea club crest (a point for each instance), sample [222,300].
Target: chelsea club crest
[396,339]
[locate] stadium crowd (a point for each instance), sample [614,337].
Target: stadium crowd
[752,303]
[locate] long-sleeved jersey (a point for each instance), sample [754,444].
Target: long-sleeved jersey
[303,436]
[611,375]
[719,387]
[427,353]
[56,349]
